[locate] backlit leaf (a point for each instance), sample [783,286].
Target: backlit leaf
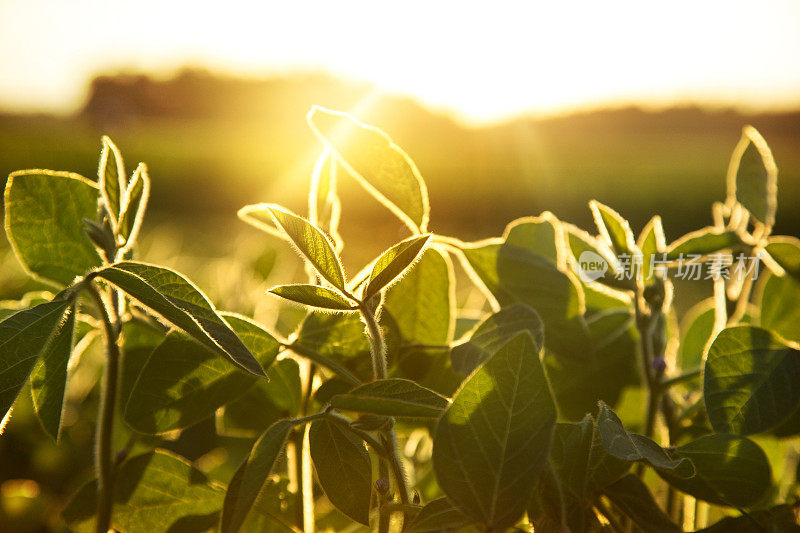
[702,242]
[24,336]
[786,252]
[381,166]
[393,263]
[613,228]
[750,381]
[49,376]
[180,302]
[493,441]
[314,296]
[780,307]
[422,302]
[343,469]
[312,243]
[44,223]
[111,178]
[753,176]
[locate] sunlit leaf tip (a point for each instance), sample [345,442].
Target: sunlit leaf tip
[393,263]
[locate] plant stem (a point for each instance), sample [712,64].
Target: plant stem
[380,369]
[104,454]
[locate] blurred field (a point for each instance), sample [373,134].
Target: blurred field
[214,144]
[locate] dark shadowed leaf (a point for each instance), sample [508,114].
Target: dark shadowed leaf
[265,403]
[49,376]
[729,470]
[312,243]
[381,166]
[705,241]
[618,442]
[183,381]
[343,469]
[753,176]
[632,497]
[156,491]
[23,337]
[393,263]
[392,397]
[493,441]
[493,332]
[437,516]
[180,302]
[778,519]
[314,296]
[44,223]
[252,474]
[750,381]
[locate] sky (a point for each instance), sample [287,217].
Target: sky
[483,61]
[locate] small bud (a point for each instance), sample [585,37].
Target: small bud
[659,365]
[382,485]
[416,499]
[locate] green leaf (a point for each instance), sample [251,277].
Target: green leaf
[112,179]
[603,375]
[632,496]
[494,332]
[729,470]
[156,491]
[324,207]
[696,331]
[652,244]
[312,243]
[44,223]
[184,382]
[392,397]
[702,242]
[180,302]
[780,307]
[343,469]
[493,441]
[265,403]
[438,515]
[750,381]
[393,263]
[252,475]
[381,167]
[542,234]
[518,275]
[24,336]
[549,510]
[49,376]
[259,216]
[422,302]
[778,519]
[613,228]
[753,176]
[314,296]
[635,448]
[786,252]
[135,205]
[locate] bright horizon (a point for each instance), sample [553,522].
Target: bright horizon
[482,65]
